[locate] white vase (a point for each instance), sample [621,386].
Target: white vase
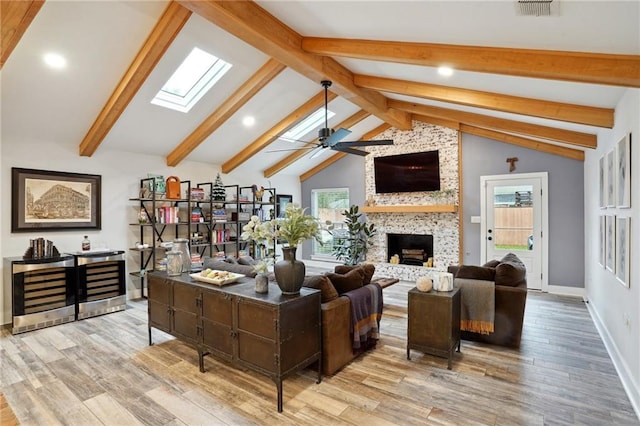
[442,281]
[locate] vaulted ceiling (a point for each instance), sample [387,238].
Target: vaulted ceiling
[549,83]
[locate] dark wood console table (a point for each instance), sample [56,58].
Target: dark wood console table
[270,333]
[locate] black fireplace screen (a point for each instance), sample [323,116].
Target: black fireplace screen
[412,249]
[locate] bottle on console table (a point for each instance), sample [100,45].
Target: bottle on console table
[86,244]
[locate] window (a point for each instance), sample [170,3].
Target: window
[308,124]
[193,78]
[328,204]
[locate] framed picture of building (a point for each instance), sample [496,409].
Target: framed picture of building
[43,200]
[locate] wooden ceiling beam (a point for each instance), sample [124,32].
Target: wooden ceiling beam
[296,155]
[335,157]
[272,134]
[572,153]
[15,18]
[582,67]
[510,126]
[592,116]
[437,121]
[233,103]
[161,37]
[254,25]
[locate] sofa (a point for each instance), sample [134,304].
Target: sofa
[510,277]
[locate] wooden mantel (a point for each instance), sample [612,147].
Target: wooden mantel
[410,208]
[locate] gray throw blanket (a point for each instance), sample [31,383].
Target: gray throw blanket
[477,305]
[366,311]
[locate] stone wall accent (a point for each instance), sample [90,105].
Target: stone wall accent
[443,226]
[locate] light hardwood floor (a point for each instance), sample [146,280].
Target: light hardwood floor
[101,371]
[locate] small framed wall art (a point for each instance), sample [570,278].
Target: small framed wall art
[623,162]
[611,180]
[622,249]
[610,253]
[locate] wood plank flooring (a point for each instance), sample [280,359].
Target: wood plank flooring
[101,371]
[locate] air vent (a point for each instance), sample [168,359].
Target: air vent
[533,7]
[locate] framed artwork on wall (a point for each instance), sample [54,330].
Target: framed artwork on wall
[603,182]
[623,162]
[281,203]
[602,258]
[611,180]
[43,200]
[623,247]
[610,225]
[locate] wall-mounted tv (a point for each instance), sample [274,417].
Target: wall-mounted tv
[419,171]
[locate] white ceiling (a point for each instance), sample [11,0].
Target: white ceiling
[100,39]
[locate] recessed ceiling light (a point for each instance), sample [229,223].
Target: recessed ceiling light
[445,71]
[55,60]
[248,121]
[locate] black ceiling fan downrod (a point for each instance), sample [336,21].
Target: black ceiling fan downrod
[326,131]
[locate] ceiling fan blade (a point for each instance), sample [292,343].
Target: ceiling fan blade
[349,150]
[318,151]
[294,149]
[337,136]
[376,142]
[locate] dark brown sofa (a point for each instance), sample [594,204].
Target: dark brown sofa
[509,275]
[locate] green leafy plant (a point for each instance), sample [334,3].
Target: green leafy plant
[352,246]
[293,228]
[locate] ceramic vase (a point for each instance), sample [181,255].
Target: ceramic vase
[262,283]
[289,272]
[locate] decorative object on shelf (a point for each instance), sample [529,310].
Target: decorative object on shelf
[196,194]
[218,192]
[282,201]
[512,163]
[86,244]
[428,263]
[394,260]
[442,281]
[143,217]
[257,193]
[173,188]
[351,246]
[54,201]
[157,184]
[424,284]
[289,272]
[39,248]
[262,281]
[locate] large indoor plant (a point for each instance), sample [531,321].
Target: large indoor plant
[291,230]
[351,245]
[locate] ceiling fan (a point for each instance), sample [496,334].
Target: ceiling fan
[328,138]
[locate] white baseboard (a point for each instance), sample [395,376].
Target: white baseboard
[628,382]
[566,291]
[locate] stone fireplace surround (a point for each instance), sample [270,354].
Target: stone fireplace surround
[442,226]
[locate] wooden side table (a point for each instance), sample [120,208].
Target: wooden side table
[434,322]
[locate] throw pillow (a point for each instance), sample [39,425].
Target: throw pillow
[492,263]
[322,283]
[476,272]
[511,271]
[368,268]
[247,260]
[347,282]
[231,259]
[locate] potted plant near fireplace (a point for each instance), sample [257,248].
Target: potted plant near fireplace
[351,246]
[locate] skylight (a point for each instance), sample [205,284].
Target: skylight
[305,126]
[193,78]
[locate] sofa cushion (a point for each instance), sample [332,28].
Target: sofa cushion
[347,282]
[231,259]
[221,265]
[511,271]
[476,273]
[327,290]
[492,263]
[368,268]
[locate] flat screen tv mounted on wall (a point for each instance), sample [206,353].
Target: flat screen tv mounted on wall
[419,171]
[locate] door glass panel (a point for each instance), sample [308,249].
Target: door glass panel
[513,217]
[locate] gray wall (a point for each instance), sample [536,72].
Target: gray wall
[348,172]
[481,156]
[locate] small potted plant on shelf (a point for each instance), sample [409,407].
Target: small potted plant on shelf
[352,244]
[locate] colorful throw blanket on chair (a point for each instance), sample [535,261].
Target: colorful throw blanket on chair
[477,305]
[366,311]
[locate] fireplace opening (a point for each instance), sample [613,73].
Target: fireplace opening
[412,249]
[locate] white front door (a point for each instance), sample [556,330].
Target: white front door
[513,220]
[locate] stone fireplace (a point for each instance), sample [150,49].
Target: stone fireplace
[441,226]
[412,249]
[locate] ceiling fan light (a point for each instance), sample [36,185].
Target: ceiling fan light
[324,133]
